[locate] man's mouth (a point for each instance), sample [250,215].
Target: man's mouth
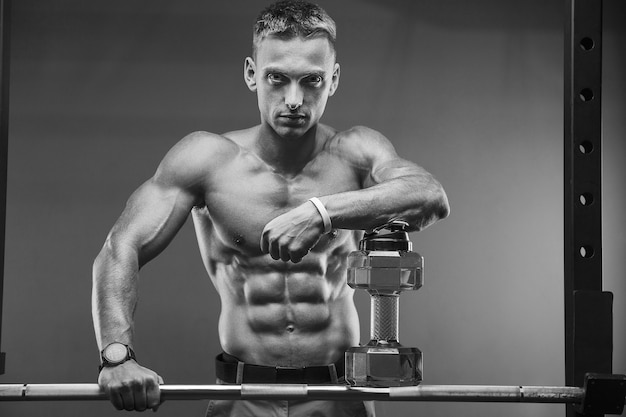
[293,118]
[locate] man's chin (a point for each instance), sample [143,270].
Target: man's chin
[291,132]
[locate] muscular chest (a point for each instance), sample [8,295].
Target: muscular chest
[244,197]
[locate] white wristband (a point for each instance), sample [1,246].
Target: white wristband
[328,226]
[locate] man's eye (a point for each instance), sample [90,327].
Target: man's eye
[314,80]
[275,78]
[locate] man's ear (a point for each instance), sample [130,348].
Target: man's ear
[249,73]
[335,80]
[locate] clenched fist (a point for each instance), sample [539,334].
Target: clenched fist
[291,235]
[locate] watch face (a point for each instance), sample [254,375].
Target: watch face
[115,353]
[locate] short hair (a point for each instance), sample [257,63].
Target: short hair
[288,19]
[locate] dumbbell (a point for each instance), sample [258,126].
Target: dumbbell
[385,265]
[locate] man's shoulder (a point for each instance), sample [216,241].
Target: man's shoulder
[205,142]
[358,135]
[201,147]
[195,155]
[359,141]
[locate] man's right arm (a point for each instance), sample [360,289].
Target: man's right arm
[152,217]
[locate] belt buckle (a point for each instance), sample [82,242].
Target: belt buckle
[286,374]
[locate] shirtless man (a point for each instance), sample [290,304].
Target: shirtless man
[277,260]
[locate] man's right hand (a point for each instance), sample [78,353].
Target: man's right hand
[131,386]
[290,236]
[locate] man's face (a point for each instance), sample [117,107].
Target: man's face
[293,80]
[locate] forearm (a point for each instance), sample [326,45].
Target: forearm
[114,296]
[417,199]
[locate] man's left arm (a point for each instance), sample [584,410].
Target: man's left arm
[392,189]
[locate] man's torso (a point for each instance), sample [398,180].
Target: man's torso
[276,312]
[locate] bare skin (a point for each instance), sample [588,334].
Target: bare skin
[288,310]
[281,280]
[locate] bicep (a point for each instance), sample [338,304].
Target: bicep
[156,211]
[395,168]
[381,162]
[153,215]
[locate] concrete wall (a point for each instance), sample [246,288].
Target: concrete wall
[472,91]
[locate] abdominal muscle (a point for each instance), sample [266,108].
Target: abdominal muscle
[291,316]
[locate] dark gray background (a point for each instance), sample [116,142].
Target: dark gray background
[472,91]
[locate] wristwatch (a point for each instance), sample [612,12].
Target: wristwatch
[116,353]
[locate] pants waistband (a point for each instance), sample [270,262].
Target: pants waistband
[233,371]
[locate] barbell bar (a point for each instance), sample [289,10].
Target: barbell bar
[457,393]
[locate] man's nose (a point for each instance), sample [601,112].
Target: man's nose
[293,97]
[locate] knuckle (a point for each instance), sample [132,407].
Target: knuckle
[130,385]
[116,387]
[123,389]
[152,382]
[297,254]
[134,383]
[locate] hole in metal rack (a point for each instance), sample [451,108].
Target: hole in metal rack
[586,94]
[587,44]
[586,251]
[585,147]
[586,199]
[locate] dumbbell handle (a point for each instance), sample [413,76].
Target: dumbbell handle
[384,317]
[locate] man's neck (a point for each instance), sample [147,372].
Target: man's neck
[288,156]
